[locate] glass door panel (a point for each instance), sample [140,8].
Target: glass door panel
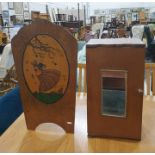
[113,92]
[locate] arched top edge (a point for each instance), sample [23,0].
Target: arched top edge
[41,22]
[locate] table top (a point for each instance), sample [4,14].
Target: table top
[51,138]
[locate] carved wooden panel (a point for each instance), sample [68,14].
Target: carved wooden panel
[45,59]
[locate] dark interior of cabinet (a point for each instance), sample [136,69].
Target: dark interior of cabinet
[113,95]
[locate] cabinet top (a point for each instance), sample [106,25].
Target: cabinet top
[120,42]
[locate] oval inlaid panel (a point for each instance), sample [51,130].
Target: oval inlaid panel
[45,69]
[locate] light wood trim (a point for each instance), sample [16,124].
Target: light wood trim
[153,79]
[79,78]
[85,82]
[148,75]
[82,78]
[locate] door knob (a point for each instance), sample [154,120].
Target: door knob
[140,91]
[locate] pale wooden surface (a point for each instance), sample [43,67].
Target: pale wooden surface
[153,78]
[150,78]
[148,75]
[82,79]
[52,139]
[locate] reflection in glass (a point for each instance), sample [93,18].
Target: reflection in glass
[113,93]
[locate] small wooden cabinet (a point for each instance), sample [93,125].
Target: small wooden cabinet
[115,76]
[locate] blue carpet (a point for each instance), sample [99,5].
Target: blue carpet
[10,108]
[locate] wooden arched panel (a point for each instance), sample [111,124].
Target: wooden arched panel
[45,57]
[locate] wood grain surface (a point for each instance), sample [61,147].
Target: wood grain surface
[46,60]
[120,58]
[53,139]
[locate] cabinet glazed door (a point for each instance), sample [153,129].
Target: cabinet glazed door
[115,77]
[113,93]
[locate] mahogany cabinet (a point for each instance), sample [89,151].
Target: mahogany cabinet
[115,77]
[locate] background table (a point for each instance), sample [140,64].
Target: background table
[48,138]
